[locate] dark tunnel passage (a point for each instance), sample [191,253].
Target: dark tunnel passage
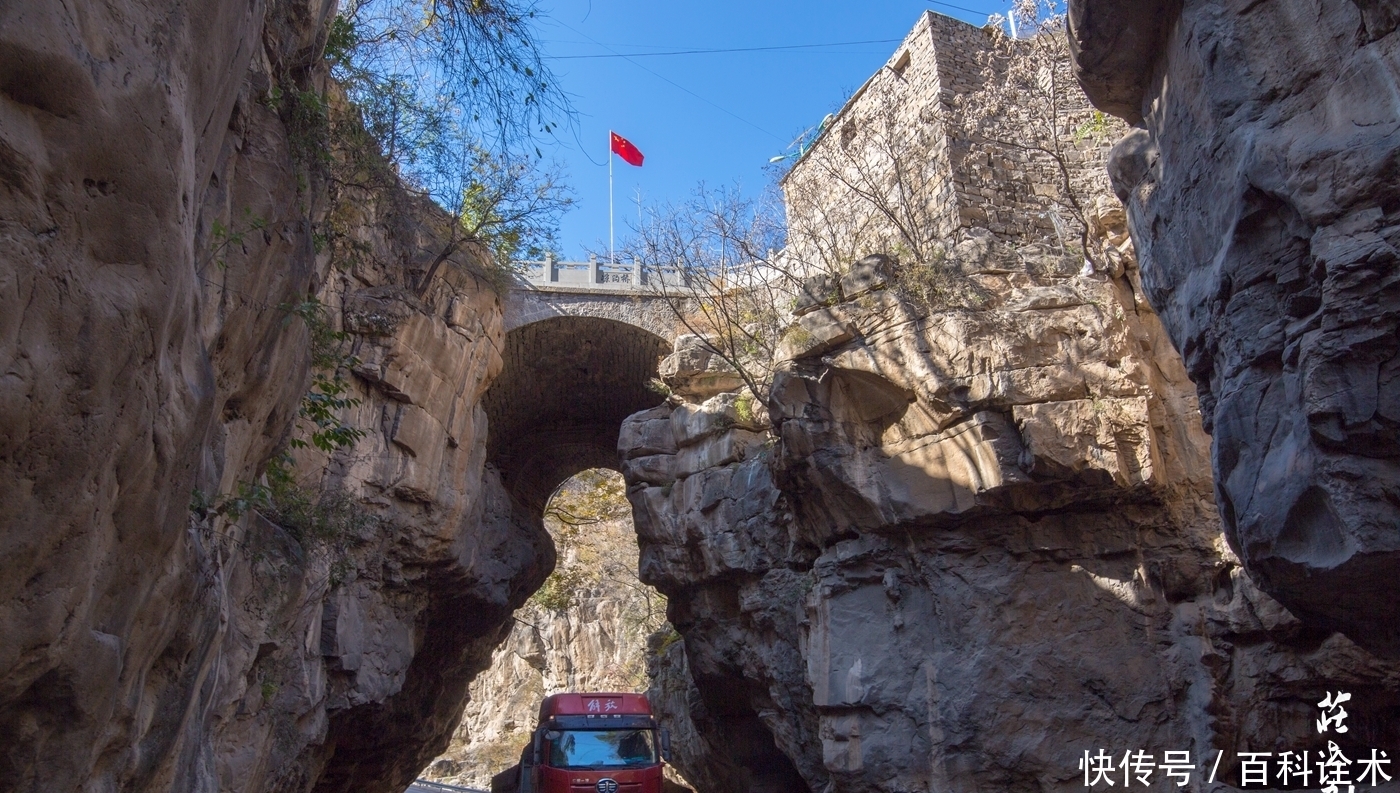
[559,401]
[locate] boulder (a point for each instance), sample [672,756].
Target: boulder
[872,272]
[695,371]
[816,292]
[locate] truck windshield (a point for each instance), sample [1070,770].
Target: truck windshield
[602,749]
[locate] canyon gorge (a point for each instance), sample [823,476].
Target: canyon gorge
[975,524]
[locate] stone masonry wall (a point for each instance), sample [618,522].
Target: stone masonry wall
[526,304]
[896,112]
[909,119]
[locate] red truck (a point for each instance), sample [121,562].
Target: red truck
[595,743]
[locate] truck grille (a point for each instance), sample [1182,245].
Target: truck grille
[622,787]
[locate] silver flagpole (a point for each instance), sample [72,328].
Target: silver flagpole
[612,255]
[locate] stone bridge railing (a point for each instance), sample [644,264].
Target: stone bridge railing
[595,274]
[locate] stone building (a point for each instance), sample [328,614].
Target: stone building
[941,139]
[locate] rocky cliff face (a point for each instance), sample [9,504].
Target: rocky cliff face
[416,569]
[159,239]
[958,545]
[1261,187]
[587,629]
[591,645]
[967,543]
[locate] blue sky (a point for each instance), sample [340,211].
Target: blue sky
[713,118]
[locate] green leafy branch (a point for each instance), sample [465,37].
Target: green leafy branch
[277,495]
[320,406]
[329,394]
[331,517]
[1099,128]
[225,238]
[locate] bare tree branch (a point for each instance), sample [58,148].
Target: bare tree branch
[712,260]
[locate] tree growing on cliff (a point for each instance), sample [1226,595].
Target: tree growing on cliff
[417,67]
[1031,104]
[716,260]
[449,99]
[871,186]
[883,166]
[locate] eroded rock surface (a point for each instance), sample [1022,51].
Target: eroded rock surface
[415,600]
[587,629]
[1261,190]
[974,542]
[113,125]
[158,235]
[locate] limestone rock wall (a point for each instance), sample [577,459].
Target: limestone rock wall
[588,631]
[408,602]
[114,123]
[673,694]
[158,232]
[1261,188]
[971,542]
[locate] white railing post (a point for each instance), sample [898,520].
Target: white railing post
[592,269]
[549,275]
[635,277]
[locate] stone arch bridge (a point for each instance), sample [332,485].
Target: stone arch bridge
[583,341]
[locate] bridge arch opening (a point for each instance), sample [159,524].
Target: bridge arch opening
[554,412]
[558,404]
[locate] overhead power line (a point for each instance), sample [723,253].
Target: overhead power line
[629,59]
[731,49]
[956,8]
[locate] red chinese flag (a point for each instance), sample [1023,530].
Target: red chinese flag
[623,148]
